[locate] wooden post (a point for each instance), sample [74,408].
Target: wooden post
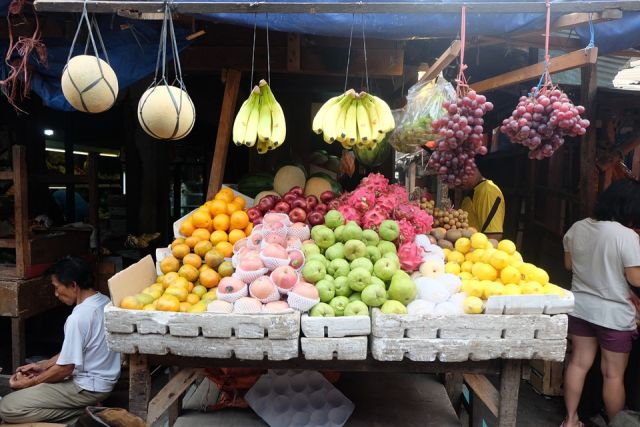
[170,395]
[21,202]
[18,342]
[453,386]
[225,125]
[588,173]
[139,385]
[92,174]
[509,388]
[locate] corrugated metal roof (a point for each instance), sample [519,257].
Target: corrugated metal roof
[608,67]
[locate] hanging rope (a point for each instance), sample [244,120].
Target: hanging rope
[364,47]
[253,51]
[268,54]
[346,74]
[545,78]
[461,80]
[592,38]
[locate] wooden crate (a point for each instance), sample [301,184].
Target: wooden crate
[250,337]
[546,377]
[328,338]
[468,337]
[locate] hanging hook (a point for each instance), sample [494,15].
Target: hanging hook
[592,38]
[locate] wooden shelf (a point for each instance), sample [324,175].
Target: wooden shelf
[7,243]
[60,179]
[6,175]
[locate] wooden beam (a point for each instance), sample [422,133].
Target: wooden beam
[178,384]
[399,7]
[443,61]
[484,390]
[223,138]
[569,61]
[139,385]
[588,184]
[21,210]
[509,388]
[453,385]
[6,175]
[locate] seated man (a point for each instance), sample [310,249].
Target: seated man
[83,373]
[485,206]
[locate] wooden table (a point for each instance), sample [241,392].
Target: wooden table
[141,404]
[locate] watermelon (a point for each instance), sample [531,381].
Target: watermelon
[375,156]
[250,185]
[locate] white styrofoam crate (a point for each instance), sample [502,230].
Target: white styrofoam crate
[284,326]
[468,337]
[335,327]
[217,348]
[346,348]
[530,304]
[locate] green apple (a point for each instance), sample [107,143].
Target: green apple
[318,257]
[352,231]
[342,286]
[393,307]
[373,253]
[329,277]
[326,290]
[389,230]
[356,308]
[370,237]
[339,267]
[374,295]
[354,249]
[313,271]
[335,251]
[309,249]
[339,304]
[359,278]
[355,296]
[402,288]
[322,309]
[385,268]
[363,263]
[377,281]
[386,247]
[338,233]
[323,236]
[333,219]
[393,257]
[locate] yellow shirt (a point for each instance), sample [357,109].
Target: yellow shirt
[484,196]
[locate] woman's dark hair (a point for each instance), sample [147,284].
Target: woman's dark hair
[621,203]
[72,269]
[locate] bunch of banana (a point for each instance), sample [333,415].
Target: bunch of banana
[260,120]
[354,119]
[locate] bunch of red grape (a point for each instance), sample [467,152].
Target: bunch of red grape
[541,121]
[460,139]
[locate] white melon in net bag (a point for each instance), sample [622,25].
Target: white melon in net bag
[89,84]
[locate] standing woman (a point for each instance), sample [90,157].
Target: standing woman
[603,254]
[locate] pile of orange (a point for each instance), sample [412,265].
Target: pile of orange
[222,221]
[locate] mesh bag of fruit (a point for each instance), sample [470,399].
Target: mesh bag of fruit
[424,105]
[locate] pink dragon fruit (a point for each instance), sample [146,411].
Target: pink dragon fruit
[362,199]
[410,257]
[404,211]
[373,218]
[386,203]
[422,222]
[407,232]
[375,182]
[399,193]
[349,213]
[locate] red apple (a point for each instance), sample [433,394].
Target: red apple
[315,218]
[254,215]
[284,277]
[327,196]
[296,258]
[312,202]
[297,215]
[334,204]
[322,208]
[298,191]
[289,198]
[300,203]
[282,207]
[266,204]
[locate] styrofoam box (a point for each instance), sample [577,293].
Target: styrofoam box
[176,225]
[298,398]
[335,327]
[468,337]
[328,338]
[530,304]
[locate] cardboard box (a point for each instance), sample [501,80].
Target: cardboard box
[132,280]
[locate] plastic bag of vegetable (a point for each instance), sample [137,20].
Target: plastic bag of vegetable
[424,105]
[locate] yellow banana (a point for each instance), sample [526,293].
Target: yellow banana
[241,120]
[341,122]
[318,119]
[364,127]
[264,118]
[351,123]
[278,123]
[384,114]
[372,112]
[251,133]
[330,119]
[262,147]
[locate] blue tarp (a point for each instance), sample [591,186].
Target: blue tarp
[133,62]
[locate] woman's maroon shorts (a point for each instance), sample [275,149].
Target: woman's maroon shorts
[609,339]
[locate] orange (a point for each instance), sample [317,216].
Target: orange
[185,307]
[180,293]
[192,259]
[131,303]
[240,202]
[225,194]
[232,207]
[239,220]
[168,303]
[248,229]
[191,241]
[225,248]
[190,286]
[217,207]
[226,190]
[169,264]
[193,299]
[235,235]
[201,218]
[189,272]
[169,279]
[201,233]
[219,236]
[180,282]
[177,241]
[180,250]
[209,278]
[186,228]
[221,222]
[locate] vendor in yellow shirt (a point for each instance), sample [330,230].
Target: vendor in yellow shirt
[485,206]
